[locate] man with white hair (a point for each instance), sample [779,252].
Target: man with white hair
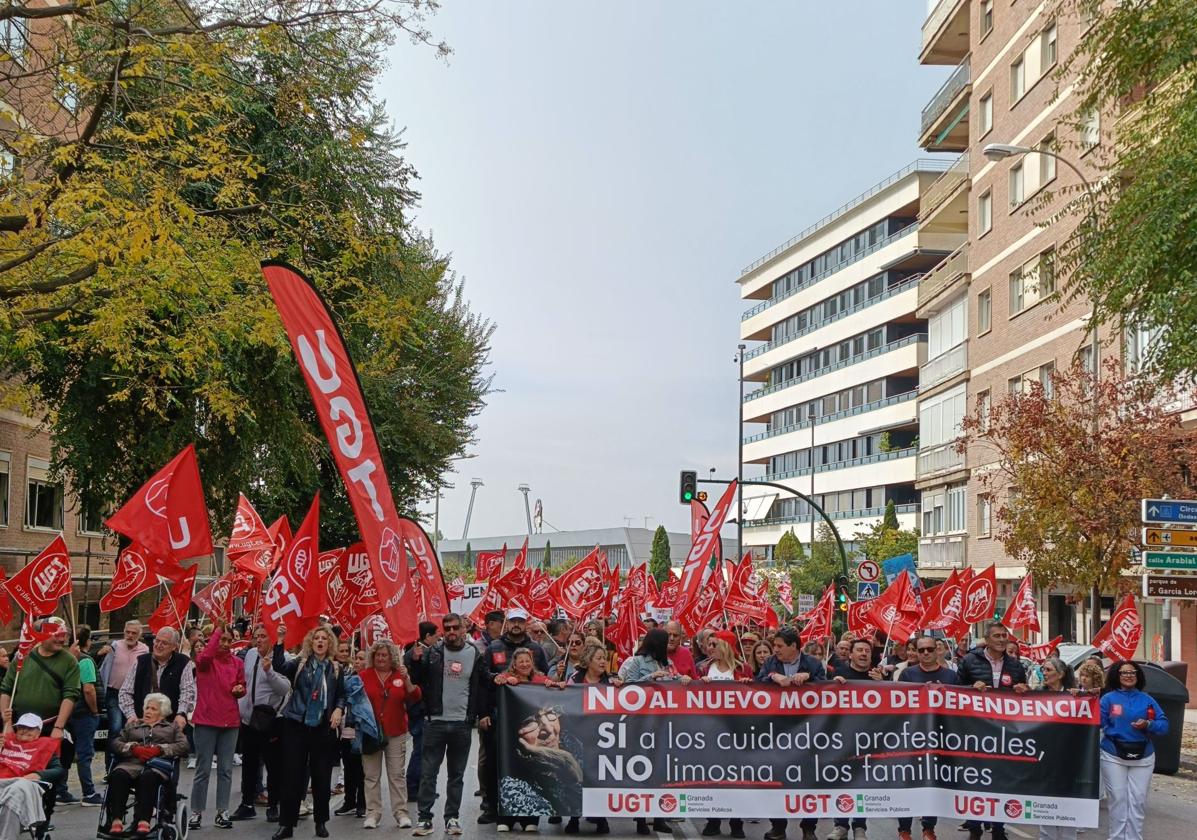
[122,654]
[165,671]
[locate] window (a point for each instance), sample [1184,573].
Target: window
[43,498]
[1017,184]
[984,312]
[8,162]
[984,404]
[1047,160]
[14,38]
[1045,378]
[985,212]
[1137,346]
[1047,46]
[947,329]
[1018,80]
[5,458]
[986,113]
[66,89]
[1018,292]
[933,519]
[1041,376]
[954,520]
[1090,130]
[91,520]
[986,17]
[984,515]
[940,418]
[1047,273]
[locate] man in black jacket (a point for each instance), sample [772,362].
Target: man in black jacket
[986,668]
[455,682]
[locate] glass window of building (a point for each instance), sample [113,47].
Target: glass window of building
[1018,79]
[5,463]
[984,311]
[985,212]
[947,329]
[986,124]
[1017,184]
[43,498]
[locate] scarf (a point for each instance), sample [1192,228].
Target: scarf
[314,712]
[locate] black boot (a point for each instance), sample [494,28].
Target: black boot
[571,827]
[284,833]
[321,830]
[601,826]
[660,824]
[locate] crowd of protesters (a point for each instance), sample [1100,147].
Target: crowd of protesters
[290,712]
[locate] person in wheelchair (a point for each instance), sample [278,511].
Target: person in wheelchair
[27,760]
[146,751]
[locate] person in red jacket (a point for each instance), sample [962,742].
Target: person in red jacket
[26,758]
[390,689]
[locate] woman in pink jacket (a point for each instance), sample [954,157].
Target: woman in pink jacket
[219,683]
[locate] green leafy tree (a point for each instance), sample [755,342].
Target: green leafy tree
[1134,253]
[133,316]
[469,560]
[465,571]
[789,552]
[819,569]
[564,566]
[890,520]
[659,562]
[546,562]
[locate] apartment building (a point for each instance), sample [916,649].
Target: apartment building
[992,327]
[835,347]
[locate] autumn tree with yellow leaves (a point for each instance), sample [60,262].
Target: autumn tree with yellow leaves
[162,150]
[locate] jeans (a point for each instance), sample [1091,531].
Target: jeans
[116,721]
[441,737]
[220,741]
[83,730]
[416,730]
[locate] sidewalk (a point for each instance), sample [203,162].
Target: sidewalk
[1188,741]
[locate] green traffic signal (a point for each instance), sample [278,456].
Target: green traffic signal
[687,496]
[688,488]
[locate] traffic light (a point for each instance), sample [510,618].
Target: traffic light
[689,487]
[841,593]
[702,495]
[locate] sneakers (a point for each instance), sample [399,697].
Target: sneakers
[371,822]
[191,763]
[305,809]
[859,834]
[531,828]
[345,808]
[929,834]
[452,826]
[197,820]
[838,833]
[780,834]
[244,812]
[92,800]
[503,827]
[405,821]
[67,798]
[236,759]
[486,818]
[117,827]
[423,828]
[903,835]
[271,814]
[222,820]
[142,829]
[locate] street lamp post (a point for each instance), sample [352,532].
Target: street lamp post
[1001,151]
[740,462]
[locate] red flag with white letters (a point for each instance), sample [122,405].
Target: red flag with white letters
[1120,636]
[216,599]
[38,586]
[131,577]
[285,599]
[341,408]
[252,547]
[895,611]
[434,598]
[486,563]
[694,568]
[578,589]
[1023,613]
[168,514]
[173,610]
[980,596]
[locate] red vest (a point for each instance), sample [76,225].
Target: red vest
[19,759]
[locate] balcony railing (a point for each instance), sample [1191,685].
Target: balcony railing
[875,458]
[920,165]
[944,366]
[942,458]
[814,374]
[943,188]
[943,552]
[943,275]
[810,281]
[938,17]
[956,82]
[866,513]
[837,415]
[904,286]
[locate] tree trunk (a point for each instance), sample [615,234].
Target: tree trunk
[1095,611]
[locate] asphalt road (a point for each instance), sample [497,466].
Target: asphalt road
[1171,815]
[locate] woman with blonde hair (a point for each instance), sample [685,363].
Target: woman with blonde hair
[723,664]
[311,717]
[1090,677]
[390,689]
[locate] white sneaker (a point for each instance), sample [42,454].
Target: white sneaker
[191,763]
[502,827]
[838,833]
[213,762]
[532,828]
[305,809]
[236,759]
[452,826]
[404,821]
[859,834]
[371,822]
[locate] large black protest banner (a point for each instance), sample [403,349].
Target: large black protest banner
[855,750]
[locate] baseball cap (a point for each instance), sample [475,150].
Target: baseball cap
[29,721]
[516,612]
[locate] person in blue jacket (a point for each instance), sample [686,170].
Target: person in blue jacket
[1129,717]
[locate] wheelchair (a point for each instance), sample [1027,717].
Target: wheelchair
[171,812]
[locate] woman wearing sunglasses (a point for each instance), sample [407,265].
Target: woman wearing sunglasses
[563,667]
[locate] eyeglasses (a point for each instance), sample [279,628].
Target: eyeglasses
[1128,673]
[925,650]
[575,643]
[449,627]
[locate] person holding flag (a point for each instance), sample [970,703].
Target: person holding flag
[27,758]
[44,682]
[220,684]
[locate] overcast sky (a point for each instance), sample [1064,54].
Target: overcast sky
[600,174]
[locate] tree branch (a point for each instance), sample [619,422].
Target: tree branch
[51,285]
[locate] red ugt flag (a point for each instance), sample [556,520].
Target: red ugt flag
[1023,612]
[131,578]
[174,606]
[578,589]
[285,598]
[337,396]
[38,586]
[168,514]
[486,563]
[1119,637]
[695,566]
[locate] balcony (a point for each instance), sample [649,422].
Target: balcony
[944,125]
[945,33]
[867,513]
[940,459]
[946,186]
[948,552]
[944,367]
[940,280]
[838,415]
[814,374]
[875,458]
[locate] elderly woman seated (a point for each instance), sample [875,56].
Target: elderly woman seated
[26,759]
[145,752]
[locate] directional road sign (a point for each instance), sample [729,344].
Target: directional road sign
[1169,586]
[1169,538]
[1170,511]
[1169,560]
[867,589]
[868,571]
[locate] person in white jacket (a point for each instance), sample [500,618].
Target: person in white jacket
[265,689]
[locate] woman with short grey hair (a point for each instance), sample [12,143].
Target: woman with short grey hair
[139,749]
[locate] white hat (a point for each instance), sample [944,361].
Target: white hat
[517,613]
[30,721]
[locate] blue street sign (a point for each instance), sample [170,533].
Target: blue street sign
[866,589]
[1170,511]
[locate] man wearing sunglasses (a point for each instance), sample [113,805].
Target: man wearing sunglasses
[927,669]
